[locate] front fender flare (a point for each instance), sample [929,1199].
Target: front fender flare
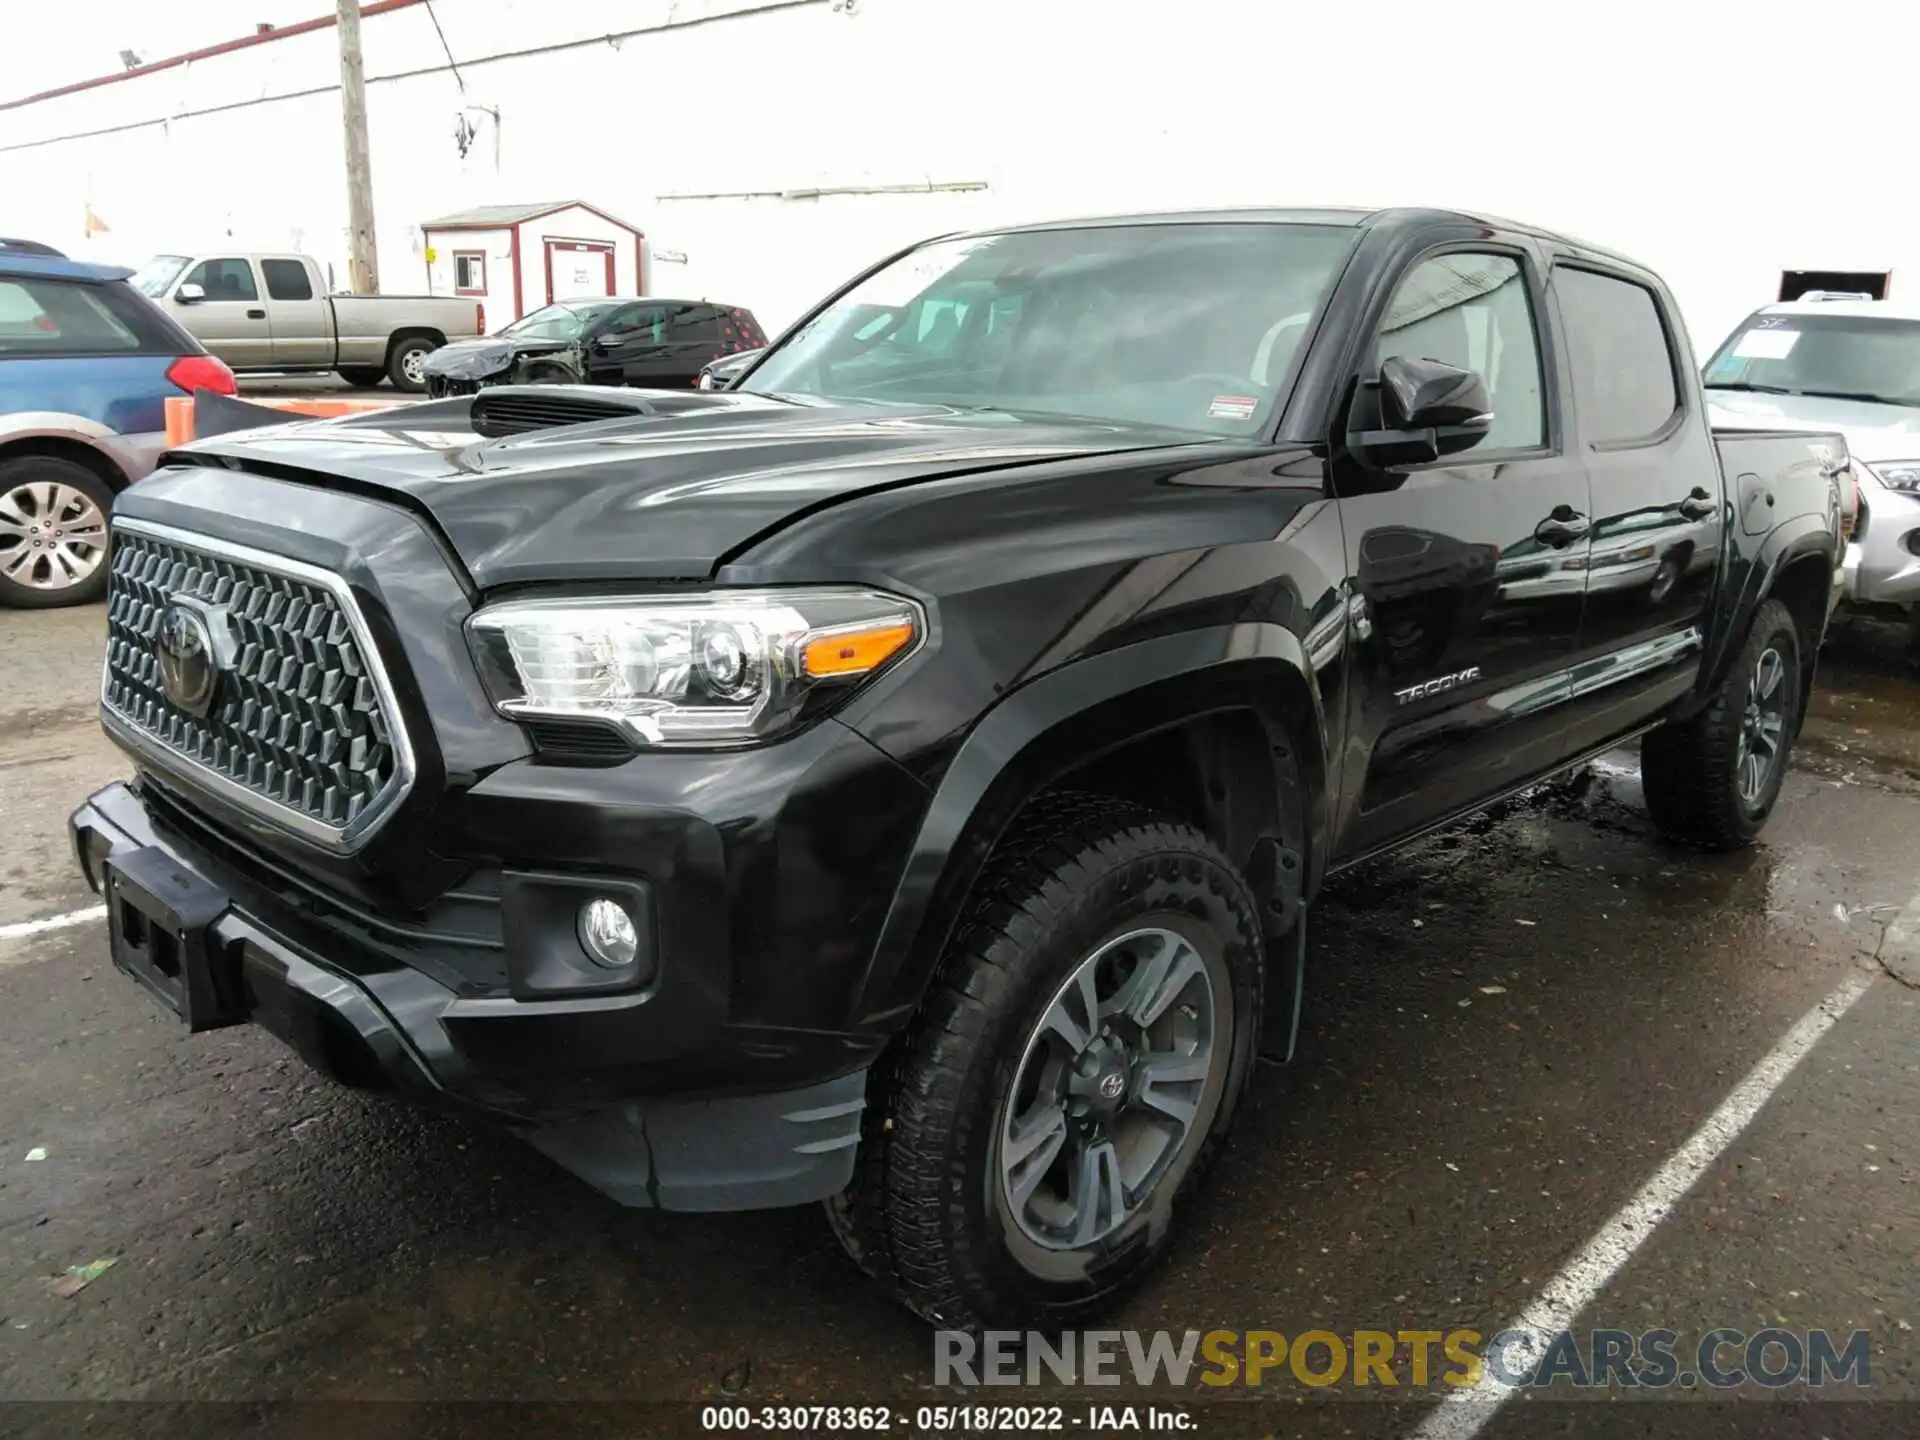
[1046,728]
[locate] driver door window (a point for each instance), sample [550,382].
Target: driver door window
[1472,311]
[230,321]
[224,280]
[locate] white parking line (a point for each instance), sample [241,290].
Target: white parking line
[20,929]
[1465,1412]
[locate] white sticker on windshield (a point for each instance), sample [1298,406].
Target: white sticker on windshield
[1766,344]
[903,282]
[1232,407]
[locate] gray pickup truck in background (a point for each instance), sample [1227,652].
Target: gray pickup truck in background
[273,313]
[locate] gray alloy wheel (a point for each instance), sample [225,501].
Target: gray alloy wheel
[1712,779]
[1763,727]
[53,532]
[1108,1089]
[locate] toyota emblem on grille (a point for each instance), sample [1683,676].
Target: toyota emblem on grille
[192,654]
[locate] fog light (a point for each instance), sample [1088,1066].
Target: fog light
[607,934]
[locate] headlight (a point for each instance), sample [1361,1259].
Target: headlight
[1901,475]
[721,668]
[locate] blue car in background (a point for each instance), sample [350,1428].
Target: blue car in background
[87,364]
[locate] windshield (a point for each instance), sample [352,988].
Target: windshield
[558,322]
[1847,357]
[1188,326]
[156,277]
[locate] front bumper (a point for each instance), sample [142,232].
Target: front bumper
[397,1029]
[1884,564]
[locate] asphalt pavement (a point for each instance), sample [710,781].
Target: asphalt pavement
[1516,1031]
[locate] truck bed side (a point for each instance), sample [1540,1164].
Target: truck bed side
[1783,496]
[367,323]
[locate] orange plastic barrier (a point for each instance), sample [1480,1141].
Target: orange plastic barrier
[180,411]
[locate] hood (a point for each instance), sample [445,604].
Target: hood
[1873,432]
[485,355]
[667,495]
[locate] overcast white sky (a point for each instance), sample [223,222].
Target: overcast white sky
[79,39]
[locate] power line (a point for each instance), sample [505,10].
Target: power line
[446,49]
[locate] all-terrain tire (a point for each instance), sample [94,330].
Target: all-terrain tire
[926,1214]
[1690,770]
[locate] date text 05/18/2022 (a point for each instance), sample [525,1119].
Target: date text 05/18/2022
[926,1419]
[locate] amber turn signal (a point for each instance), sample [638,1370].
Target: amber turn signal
[854,652]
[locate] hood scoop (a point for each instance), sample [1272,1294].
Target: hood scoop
[516,409]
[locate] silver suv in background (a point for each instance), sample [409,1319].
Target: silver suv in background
[1851,365]
[273,314]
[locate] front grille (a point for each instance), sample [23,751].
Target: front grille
[300,726]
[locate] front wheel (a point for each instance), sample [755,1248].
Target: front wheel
[1712,782]
[1070,1075]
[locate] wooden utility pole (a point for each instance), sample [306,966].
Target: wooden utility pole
[363,253]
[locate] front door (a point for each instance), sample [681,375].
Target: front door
[1467,573]
[1658,526]
[579,270]
[231,320]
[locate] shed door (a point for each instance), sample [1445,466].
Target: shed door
[579,269]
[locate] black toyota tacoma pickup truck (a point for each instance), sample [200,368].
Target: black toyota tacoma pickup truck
[902,781]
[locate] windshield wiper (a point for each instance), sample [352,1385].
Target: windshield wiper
[1867,395]
[1748,385]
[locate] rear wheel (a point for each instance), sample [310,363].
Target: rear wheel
[1070,1075]
[406,360]
[362,377]
[53,532]
[1712,782]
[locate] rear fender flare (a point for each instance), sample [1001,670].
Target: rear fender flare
[1054,724]
[1803,538]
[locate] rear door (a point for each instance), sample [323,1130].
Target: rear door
[1467,573]
[231,320]
[1658,523]
[301,324]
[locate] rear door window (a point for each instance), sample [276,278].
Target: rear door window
[696,325]
[287,280]
[1623,372]
[62,317]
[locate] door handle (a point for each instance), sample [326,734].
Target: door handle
[256,314]
[1563,527]
[1698,505]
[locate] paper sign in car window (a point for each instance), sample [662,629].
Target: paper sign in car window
[1766,344]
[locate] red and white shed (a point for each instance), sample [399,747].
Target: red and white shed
[516,258]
